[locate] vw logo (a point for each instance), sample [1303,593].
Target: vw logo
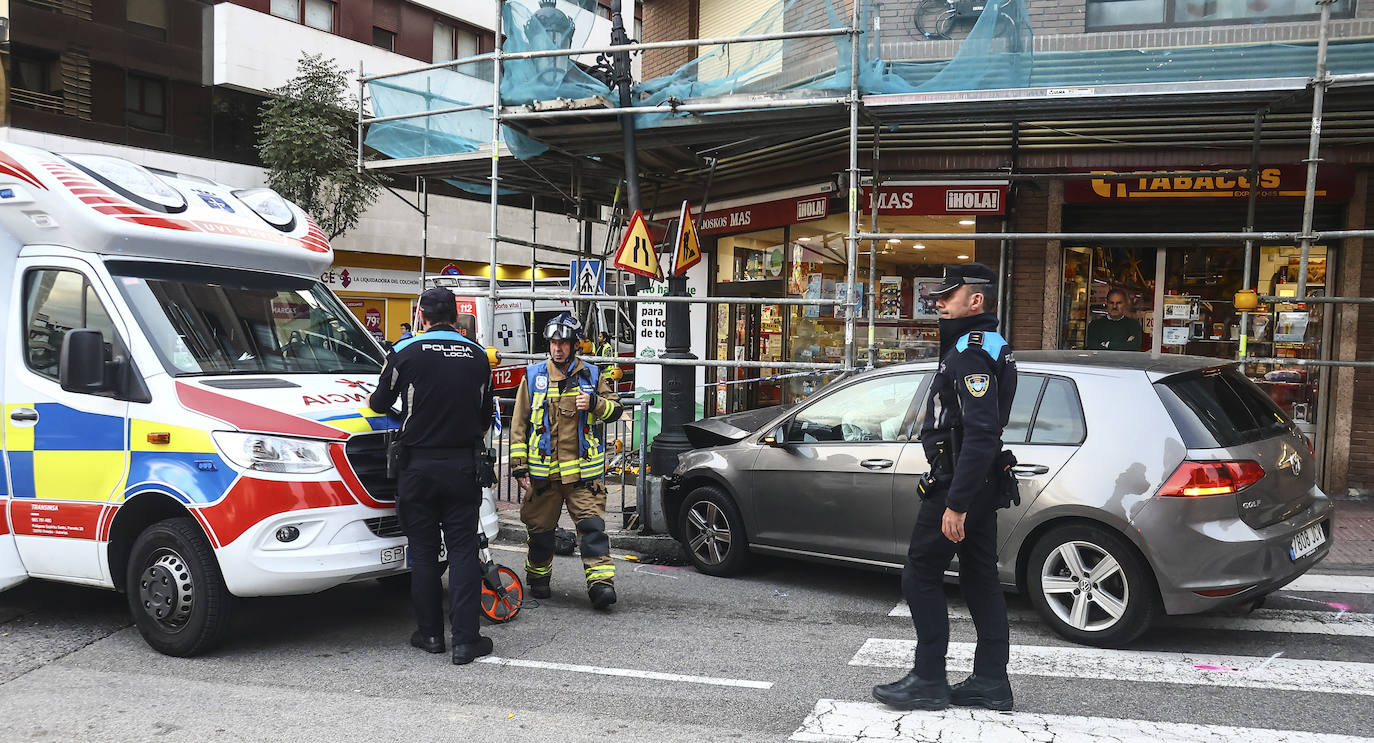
[1290,459]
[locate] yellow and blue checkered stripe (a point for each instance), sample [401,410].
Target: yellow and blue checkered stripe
[361,420]
[189,468]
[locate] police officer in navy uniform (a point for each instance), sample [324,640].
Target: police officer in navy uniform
[443,380]
[968,406]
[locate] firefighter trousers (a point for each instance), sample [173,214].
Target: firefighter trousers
[586,503]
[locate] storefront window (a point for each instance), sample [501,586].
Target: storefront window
[1198,316]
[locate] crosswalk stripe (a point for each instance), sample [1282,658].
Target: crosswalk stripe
[626,672]
[838,721]
[1292,621]
[1324,583]
[1334,677]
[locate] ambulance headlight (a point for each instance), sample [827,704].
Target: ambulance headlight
[269,205]
[254,451]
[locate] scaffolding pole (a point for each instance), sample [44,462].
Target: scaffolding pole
[495,234]
[1148,237]
[852,239]
[1309,196]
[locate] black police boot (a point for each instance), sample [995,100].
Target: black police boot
[467,652]
[601,594]
[539,585]
[427,643]
[914,692]
[981,691]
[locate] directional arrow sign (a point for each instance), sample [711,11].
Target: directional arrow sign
[688,252]
[636,253]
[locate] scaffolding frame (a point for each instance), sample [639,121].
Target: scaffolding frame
[854,102]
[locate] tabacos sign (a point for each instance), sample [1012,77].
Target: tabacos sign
[1146,186]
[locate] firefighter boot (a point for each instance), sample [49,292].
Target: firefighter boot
[539,585]
[601,594]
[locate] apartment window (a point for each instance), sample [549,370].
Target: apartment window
[1166,13]
[145,103]
[451,42]
[313,13]
[384,39]
[147,18]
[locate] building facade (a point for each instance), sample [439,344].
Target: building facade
[778,230]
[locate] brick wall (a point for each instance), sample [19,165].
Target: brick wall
[667,20]
[1028,286]
[1360,475]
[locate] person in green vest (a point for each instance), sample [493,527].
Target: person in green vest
[1117,331]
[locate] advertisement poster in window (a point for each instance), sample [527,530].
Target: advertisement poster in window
[842,294]
[890,297]
[923,305]
[813,291]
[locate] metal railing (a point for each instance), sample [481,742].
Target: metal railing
[627,450]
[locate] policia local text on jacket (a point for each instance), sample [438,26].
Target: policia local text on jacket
[443,381]
[561,450]
[968,406]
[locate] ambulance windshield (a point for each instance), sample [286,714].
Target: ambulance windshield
[204,320]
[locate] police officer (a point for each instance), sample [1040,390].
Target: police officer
[967,409]
[444,382]
[557,456]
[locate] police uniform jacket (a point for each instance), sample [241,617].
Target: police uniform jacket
[443,381]
[971,399]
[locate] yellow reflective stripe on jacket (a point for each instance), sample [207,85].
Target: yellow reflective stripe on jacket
[547,466]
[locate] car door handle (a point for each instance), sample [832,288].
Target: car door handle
[1029,470]
[24,415]
[876,464]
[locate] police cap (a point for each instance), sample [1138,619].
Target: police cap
[959,274]
[437,300]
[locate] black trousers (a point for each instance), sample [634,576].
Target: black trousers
[442,495]
[923,586]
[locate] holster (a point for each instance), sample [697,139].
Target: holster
[395,454]
[486,467]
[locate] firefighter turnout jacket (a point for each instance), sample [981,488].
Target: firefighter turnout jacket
[550,438]
[969,404]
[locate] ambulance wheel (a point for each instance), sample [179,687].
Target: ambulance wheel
[500,608]
[176,591]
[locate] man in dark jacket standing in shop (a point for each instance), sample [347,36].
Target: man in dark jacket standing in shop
[969,404]
[444,381]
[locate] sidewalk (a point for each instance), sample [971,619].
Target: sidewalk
[1352,550]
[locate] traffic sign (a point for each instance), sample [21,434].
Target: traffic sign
[636,253]
[688,250]
[586,277]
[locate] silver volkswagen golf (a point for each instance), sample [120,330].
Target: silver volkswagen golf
[1148,485]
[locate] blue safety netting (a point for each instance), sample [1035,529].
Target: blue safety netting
[907,46]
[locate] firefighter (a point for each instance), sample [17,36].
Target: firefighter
[558,458]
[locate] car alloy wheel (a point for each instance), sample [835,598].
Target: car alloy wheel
[1091,585]
[713,532]
[1084,586]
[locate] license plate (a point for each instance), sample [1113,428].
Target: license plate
[1307,541]
[393,554]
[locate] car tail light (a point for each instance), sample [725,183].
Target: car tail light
[1311,449]
[1195,479]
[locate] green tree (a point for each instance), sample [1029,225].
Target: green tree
[307,138]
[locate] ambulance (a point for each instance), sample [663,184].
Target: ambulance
[185,404]
[519,323]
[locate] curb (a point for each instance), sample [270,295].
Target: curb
[657,547]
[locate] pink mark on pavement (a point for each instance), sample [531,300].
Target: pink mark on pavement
[1204,667]
[1342,608]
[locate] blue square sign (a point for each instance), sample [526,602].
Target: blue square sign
[586,277]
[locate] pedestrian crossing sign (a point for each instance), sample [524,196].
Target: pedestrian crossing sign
[688,250]
[586,277]
[637,253]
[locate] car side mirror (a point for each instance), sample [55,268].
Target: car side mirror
[82,362]
[775,437]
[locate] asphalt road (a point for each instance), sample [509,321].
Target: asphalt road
[788,652]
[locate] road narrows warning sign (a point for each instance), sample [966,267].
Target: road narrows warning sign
[636,253]
[688,249]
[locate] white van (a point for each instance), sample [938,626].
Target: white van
[185,404]
[520,322]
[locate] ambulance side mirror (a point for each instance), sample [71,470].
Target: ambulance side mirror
[82,362]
